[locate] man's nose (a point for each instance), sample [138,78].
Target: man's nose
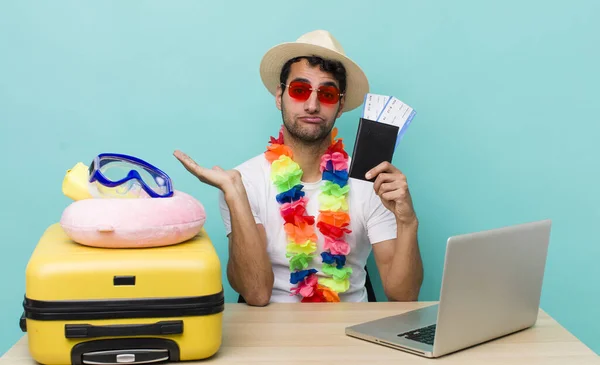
[312,104]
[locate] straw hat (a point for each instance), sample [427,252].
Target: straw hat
[320,43]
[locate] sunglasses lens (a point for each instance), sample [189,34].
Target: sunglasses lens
[299,90]
[329,94]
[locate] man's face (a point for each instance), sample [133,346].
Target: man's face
[309,121]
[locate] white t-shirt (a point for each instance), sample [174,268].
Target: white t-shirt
[370,222]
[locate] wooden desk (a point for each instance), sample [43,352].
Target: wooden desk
[314,334]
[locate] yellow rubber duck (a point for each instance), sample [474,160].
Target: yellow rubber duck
[75,184]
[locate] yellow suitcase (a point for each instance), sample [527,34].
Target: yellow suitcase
[86,305]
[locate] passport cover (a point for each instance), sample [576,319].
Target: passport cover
[375,142]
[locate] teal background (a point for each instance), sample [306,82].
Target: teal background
[506,94]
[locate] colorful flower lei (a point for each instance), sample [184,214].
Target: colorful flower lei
[332,221]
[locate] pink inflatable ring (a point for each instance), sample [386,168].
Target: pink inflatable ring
[134,223]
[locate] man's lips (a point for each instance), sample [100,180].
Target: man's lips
[313,120]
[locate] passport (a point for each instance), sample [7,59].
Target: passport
[375,143]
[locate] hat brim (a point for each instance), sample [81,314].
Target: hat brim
[357,85]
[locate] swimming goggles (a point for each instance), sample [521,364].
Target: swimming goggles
[127,173]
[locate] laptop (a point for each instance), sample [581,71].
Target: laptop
[491,287]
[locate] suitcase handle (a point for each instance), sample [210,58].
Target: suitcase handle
[145,350]
[122,330]
[23,323]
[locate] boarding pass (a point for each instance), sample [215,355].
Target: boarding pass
[389,110]
[373,106]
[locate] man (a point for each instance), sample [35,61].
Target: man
[298,228]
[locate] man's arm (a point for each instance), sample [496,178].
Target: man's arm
[249,269]
[399,264]
[398,260]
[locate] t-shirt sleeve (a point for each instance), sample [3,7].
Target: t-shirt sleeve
[253,199]
[381,222]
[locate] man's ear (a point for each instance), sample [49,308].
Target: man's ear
[341,108]
[278,95]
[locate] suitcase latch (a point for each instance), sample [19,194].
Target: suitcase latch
[125,358]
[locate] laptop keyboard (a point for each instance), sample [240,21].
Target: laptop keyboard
[424,335]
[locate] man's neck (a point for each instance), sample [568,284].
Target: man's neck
[307,156]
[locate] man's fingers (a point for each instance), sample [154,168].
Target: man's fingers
[183,158]
[190,164]
[381,178]
[389,186]
[393,195]
[382,167]
[208,176]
